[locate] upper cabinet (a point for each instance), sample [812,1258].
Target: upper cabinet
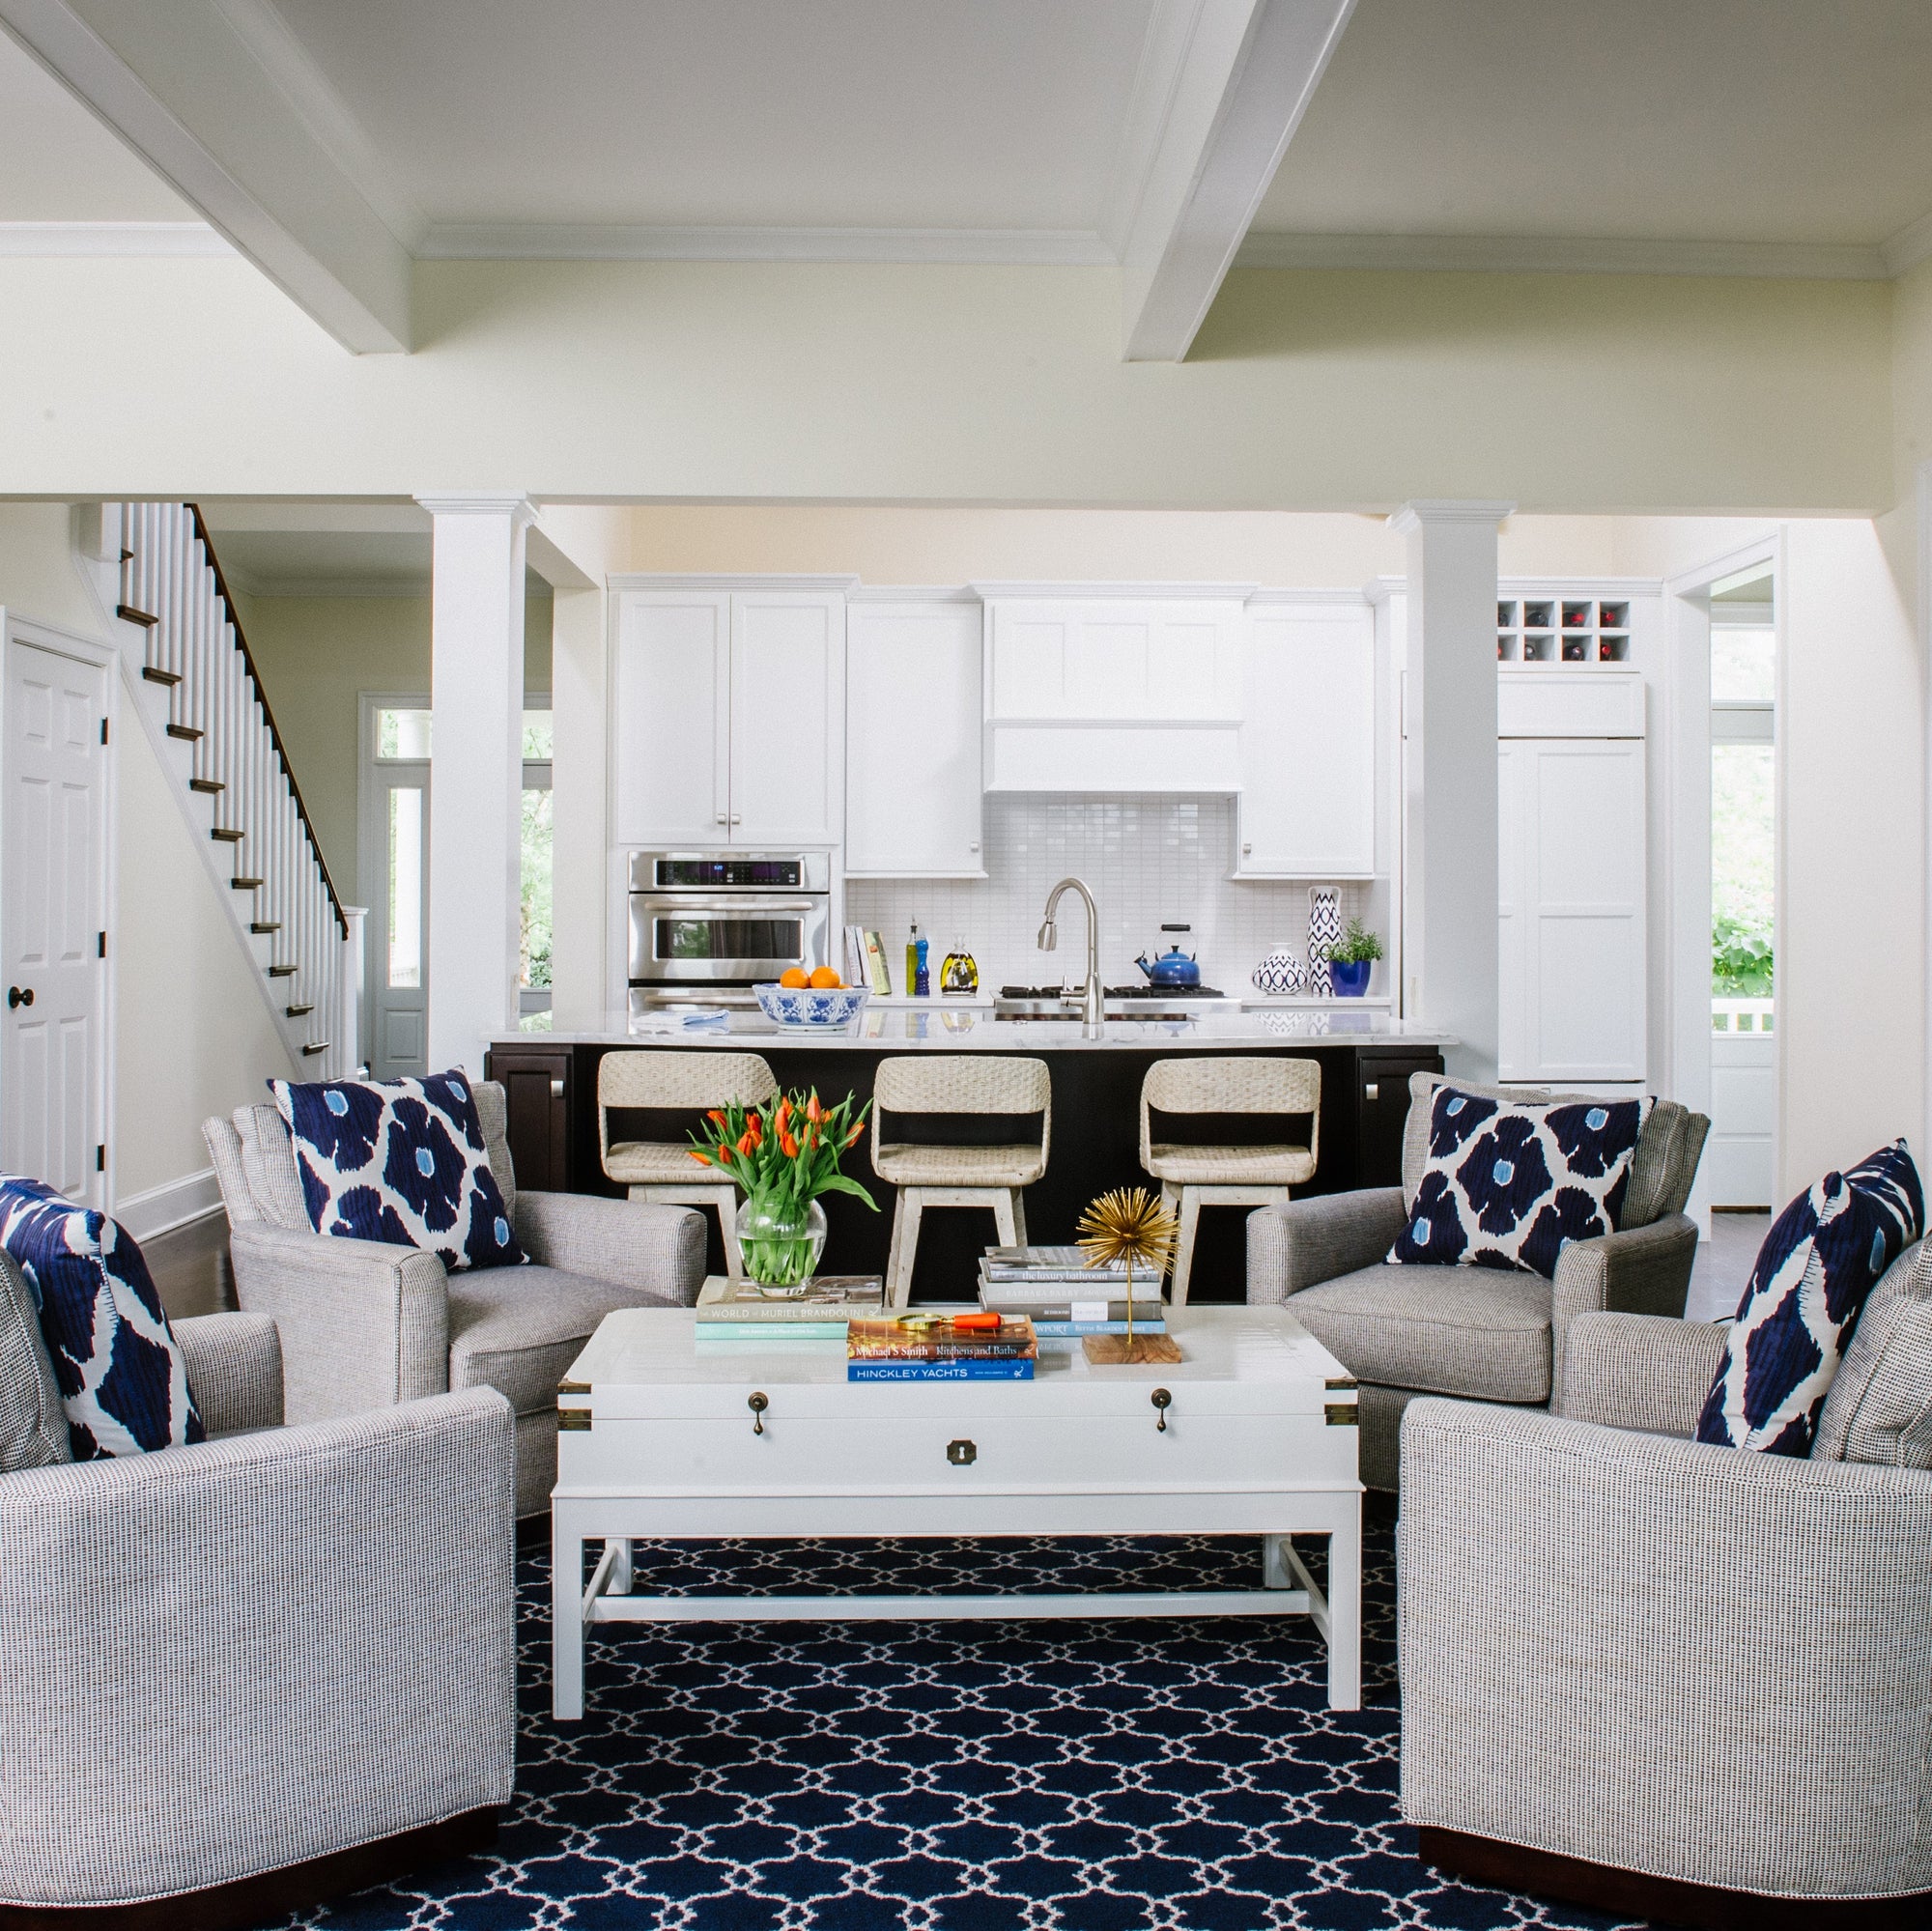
[727,716]
[1308,742]
[913,785]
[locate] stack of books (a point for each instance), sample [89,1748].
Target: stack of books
[1062,1296]
[941,1348]
[736,1311]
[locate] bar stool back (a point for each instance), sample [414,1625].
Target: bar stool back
[664,1171]
[928,1176]
[1193,1176]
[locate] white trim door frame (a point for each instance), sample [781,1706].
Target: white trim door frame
[93,1184]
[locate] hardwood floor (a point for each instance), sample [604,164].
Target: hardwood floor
[190,1267]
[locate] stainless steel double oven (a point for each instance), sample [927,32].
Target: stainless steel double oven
[706,926]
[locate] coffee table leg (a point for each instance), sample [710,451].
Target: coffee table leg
[1275,1573]
[566,1624]
[618,1548]
[1344,1610]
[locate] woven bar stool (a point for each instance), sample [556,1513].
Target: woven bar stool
[660,1170]
[928,1176]
[1192,1178]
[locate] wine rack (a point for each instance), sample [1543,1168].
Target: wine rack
[1565,633]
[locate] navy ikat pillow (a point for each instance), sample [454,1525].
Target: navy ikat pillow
[402,1161]
[1511,1185]
[1823,1254]
[121,1377]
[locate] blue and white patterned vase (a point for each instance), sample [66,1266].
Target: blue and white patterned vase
[1325,931]
[1281,974]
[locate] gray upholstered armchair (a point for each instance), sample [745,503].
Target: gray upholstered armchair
[230,1691]
[365,1325]
[1671,1680]
[1474,1332]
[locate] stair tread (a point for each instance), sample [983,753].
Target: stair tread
[227,835]
[282,972]
[206,786]
[186,733]
[130,615]
[299,1011]
[320,1047]
[266,925]
[154,676]
[244,884]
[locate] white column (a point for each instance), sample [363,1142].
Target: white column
[477,772]
[1449,784]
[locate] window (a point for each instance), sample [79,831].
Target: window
[534,987]
[405,885]
[1744,825]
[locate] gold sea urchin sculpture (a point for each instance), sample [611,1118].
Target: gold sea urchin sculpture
[1129,1225]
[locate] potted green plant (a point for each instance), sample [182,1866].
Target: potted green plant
[1350,958]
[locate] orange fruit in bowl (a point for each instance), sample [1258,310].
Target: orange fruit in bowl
[826,979]
[794,977]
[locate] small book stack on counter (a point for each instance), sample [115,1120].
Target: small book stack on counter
[736,1311]
[1055,1289]
[941,1348]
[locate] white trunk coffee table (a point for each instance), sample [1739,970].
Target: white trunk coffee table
[1254,1434]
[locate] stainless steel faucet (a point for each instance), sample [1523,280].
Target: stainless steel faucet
[1092,1003]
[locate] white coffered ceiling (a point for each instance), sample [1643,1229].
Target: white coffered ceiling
[334,140]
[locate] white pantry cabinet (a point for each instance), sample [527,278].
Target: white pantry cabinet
[727,716]
[913,786]
[1308,742]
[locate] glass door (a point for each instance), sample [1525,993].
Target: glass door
[399,906]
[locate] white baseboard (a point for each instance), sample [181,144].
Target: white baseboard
[174,1203]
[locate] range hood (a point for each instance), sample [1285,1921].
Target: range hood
[1056,755]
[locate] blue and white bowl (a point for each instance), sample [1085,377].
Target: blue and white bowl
[810,1005]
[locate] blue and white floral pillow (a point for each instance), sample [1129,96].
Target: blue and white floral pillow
[1823,1254]
[1511,1185]
[403,1161]
[121,1377]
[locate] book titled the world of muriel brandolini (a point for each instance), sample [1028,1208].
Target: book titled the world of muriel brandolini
[826,1297]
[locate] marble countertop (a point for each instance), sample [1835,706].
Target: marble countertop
[933,1026]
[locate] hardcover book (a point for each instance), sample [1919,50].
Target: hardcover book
[826,1297]
[936,1338]
[1037,1264]
[1019,1370]
[878,975]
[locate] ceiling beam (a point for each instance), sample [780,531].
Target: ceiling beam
[1238,76]
[189,94]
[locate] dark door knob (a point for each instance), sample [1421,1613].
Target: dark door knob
[16,996]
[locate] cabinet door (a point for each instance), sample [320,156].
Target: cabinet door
[1512,1043]
[912,741]
[1308,745]
[788,718]
[1146,660]
[1581,819]
[670,716]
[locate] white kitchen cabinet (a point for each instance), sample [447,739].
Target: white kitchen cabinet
[1308,742]
[728,717]
[1571,904]
[913,782]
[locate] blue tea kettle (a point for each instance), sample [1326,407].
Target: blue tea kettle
[1173,967]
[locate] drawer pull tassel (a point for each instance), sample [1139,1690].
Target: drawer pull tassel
[758,1403]
[1160,1397]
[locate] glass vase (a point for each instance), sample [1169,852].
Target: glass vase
[780,1242]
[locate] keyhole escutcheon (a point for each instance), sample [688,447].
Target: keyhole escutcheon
[758,1403]
[1162,1402]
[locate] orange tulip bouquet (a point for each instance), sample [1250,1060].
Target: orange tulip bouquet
[784,1154]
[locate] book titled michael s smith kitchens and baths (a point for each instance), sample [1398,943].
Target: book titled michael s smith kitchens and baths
[939,1347]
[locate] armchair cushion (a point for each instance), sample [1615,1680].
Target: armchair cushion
[33,1421]
[121,1375]
[402,1161]
[1823,1254]
[1507,1183]
[1880,1407]
[1475,1333]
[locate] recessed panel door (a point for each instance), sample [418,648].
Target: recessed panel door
[399,924]
[788,719]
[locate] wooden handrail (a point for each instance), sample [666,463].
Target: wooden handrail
[267,712]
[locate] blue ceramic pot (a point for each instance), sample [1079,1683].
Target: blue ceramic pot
[1350,979]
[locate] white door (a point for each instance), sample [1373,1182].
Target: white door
[399,922]
[788,719]
[54,918]
[672,718]
[1738,1167]
[1512,1048]
[913,788]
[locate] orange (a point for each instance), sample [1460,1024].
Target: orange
[827,978]
[794,977]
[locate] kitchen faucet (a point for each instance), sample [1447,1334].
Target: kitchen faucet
[1092,1006]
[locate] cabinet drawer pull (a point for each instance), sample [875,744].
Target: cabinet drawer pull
[556,1089]
[758,1403]
[1372,1090]
[1161,1400]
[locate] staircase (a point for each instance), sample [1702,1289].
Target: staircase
[202,702]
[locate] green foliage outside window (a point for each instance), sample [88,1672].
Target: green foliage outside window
[1742,839]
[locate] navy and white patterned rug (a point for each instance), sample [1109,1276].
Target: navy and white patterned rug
[1075,1775]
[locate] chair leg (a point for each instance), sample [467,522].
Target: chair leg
[897,1251]
[1183,1259]
[727,1227]
[913,1199]
[1018,1200]
[1005,1219]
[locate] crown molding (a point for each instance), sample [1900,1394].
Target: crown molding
[727,580]
[1909,246]
[76,238]
[1421,511]
[1237,594]
[581,242]
[1605,255]
[512,503]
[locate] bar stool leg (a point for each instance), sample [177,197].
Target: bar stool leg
[1019,1217]
[1183,1259]
[1002,1203]
[728,1226]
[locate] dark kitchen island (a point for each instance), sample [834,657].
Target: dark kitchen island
[1365,1058]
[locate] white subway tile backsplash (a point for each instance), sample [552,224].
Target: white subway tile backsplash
[1148,861]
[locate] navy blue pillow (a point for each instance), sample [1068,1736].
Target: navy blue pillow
[1511,1185]
[119,1370]
[1824,1254]
[401,1161]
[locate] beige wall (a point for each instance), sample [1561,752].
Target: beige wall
[684,381]
[1910,378]
[315,654]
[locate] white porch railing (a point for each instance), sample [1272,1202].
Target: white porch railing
[1741,1015]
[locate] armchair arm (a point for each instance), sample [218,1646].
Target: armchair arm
[233,1365]
[1610,1642]
[1316,1239]
[1641,1370]
[238,1655]
[1641,1270]
[657,1251]
[363,1324]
